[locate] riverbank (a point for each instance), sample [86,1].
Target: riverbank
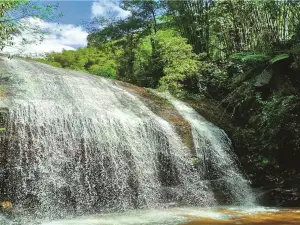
[280,217]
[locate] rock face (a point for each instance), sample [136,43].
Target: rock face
[164,109]
[83,143]
[280,197]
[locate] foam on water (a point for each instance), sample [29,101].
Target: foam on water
[157,217]
[171,216]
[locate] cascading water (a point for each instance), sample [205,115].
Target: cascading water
[77,143]
[216,156]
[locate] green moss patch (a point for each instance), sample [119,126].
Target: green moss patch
[3,91]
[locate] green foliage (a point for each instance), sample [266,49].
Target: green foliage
[116,30]
[147,10]
[7,27]
[279,58]
[147,67]
[247,64]
[276,113]
[267,117]
[249,58]
[178,59]
[102,62]
[56,64]
[12,11]
[221,28]
[213,80]
[104,71]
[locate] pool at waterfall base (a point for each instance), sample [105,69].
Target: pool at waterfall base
[178,216]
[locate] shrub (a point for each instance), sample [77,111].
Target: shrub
[178,59]
[104,71]
[249,58]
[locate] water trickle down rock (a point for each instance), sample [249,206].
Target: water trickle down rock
[216,158]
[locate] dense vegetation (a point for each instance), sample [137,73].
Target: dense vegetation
[242,55]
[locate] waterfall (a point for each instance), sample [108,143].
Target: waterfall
[76,143]
[216,156]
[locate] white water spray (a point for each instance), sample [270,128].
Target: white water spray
[77,144]
[217,159]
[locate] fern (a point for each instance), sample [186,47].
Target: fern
[279,58]
[249,57]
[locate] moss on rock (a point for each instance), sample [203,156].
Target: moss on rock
[3,91]
[164,109]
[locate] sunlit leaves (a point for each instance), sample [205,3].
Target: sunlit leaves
[102,62]
[178,59]
[12,13]
[279,58]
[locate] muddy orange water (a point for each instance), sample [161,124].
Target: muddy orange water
[283,217]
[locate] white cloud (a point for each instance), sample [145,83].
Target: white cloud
[108,9]
[56,38]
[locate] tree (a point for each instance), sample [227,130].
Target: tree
[171,65]
[7,27]
[192,19]
[179,61]
[147,11]
[13,13]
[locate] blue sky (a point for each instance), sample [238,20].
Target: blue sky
[66,32]
[78,11]
[74,12]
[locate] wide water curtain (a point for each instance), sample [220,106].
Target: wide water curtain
[77,143]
